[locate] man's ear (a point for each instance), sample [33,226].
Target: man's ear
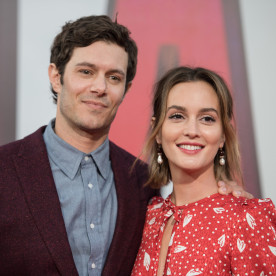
[126,90]
[128,87]
[54,77]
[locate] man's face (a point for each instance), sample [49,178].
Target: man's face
[93,87]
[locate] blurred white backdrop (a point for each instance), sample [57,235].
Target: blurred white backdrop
[38,23]
[258,25]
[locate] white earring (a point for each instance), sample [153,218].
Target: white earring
[159,153]
[221,157]
[159,158]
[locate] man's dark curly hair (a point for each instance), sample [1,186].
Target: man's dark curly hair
[85,31]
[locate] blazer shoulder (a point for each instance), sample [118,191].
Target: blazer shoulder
[126,167]
[119,154]
[32,141]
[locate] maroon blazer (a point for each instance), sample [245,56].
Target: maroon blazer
[33,239]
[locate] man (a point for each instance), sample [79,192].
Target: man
[69,202]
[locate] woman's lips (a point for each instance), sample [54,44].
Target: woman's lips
[190,148]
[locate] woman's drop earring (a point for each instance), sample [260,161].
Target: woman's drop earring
[159,157]
[221,157]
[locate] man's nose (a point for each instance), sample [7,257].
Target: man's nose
[99,84]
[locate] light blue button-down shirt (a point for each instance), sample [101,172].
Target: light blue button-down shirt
[86,190]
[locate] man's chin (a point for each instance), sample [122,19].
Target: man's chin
[93,128]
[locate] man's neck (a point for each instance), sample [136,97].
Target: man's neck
[80,139]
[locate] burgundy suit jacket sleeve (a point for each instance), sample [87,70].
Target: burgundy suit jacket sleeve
[33,239]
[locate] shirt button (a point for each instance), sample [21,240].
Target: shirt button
[86,158]
[93,265]
[92,225]
[90,185]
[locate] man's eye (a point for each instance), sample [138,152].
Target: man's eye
[115,78]
[86,72]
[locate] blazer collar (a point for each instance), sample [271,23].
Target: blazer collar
[128,211]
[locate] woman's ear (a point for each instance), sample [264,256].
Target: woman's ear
[152,122]
[222,141]
[157,137]
[54,77]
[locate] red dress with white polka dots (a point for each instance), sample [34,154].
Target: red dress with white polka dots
[218,235]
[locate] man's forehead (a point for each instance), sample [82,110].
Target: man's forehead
[101,53]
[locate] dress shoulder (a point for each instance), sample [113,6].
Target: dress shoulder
[155,203]
[253,213]
[255,205]
[253,236]
[258,207]
[260,213]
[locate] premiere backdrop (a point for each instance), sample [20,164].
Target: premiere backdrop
[235,38]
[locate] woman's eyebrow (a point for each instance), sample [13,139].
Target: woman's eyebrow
[184,109]
[177,107]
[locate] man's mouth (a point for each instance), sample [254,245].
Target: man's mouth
[96,104]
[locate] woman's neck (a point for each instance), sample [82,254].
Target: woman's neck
[191,188]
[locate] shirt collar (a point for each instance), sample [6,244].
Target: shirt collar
[68,158]
[101,158]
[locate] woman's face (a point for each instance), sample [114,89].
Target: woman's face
[192,131]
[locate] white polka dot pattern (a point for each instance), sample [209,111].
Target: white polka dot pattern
[218,235]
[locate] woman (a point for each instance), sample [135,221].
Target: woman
[193,143]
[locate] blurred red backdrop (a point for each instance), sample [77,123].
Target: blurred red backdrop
[167,33]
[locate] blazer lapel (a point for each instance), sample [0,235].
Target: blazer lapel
[129,212]
[38,185]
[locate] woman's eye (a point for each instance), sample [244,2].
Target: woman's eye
[208,119]
[176,116]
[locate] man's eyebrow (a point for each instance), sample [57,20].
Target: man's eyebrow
[87,64]
[93,66]
[117,71]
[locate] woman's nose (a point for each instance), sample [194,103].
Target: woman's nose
[191,128]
